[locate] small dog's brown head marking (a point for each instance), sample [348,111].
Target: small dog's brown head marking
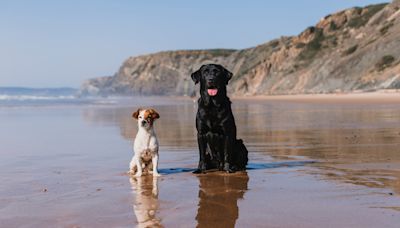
[136,114]
[146,117]
[151,114]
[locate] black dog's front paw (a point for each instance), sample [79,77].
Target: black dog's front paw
[228,169]
[199,171]
[221,166]
[201,168]
[236,168]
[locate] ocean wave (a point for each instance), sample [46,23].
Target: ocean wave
[4,97]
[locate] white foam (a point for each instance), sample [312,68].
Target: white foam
[5,97]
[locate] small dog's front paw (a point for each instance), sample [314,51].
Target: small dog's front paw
[131,172]
[156,175]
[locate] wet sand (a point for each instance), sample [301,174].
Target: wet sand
[378,97]
[313,163]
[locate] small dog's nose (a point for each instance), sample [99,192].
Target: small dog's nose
[143,122]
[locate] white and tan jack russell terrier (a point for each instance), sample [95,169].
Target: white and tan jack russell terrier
[145,147]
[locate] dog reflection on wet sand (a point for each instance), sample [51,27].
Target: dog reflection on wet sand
[146,202]
[218,198]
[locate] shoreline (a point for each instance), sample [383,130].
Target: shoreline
[377,96]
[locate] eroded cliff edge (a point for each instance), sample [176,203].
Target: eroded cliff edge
[357,49]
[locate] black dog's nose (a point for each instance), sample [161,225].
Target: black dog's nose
[143,122]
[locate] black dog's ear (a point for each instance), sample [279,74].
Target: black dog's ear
[196,75]
[228,75]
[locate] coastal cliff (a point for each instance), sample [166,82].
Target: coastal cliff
[357,49]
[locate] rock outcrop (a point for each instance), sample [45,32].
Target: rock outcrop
[357,49]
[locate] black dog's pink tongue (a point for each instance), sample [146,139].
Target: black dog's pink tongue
[212,92]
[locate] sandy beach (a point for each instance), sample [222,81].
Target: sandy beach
[314,161]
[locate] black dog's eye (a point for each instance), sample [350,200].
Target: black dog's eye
[215,71]
[206,71]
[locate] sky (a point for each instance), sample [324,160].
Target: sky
[47,43]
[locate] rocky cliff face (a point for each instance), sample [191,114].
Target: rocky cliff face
[354,50]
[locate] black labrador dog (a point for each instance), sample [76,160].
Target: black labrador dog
[216,129]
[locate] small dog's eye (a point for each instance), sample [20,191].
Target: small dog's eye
[140,117]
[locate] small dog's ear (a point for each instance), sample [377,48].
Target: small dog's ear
[228,75]
[154,114]
[136,114]
[196,75]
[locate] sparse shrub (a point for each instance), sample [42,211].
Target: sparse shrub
[350,50]
[300,45]
[386,28]
[274,43]
[333,26]
[346,34]
[384,62]
[356,22]
[332,39]
[358,9]
[313,47]
[311,29]
[362,19]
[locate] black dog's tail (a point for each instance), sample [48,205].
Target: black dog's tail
[240,155]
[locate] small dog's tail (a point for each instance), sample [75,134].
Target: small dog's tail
[240,155]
